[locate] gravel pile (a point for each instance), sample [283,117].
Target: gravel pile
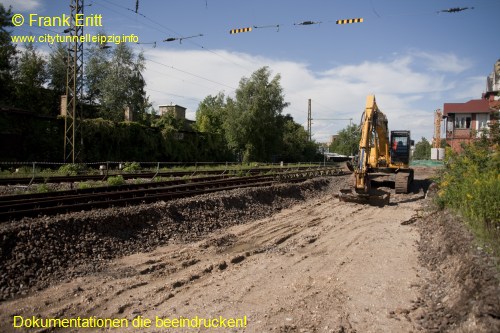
[35,252]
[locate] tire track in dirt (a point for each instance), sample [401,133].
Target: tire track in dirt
[320,266]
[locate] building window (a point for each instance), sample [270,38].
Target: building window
[482,120]
[463,121]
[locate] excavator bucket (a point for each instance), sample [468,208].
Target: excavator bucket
[375,197]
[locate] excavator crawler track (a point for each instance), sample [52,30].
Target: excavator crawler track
[403,181]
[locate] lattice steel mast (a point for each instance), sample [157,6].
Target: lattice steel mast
[74,83]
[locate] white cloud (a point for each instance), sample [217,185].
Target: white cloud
[408,96]
[22,5]
[470,88]
[442,62]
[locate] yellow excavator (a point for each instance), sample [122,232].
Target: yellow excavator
[379,159]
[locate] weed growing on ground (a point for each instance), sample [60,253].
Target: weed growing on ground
[84,185]
[116,180]
[72,169]
[132,167]
[42,188]
[469,184]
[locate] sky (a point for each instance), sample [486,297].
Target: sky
[408,54]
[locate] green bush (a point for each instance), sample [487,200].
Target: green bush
[470,184]
[131,167]
[42,188]
[84,185]
[72,169]
[116,180]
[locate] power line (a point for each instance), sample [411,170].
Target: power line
[177,34]
[186,72]
[170,94]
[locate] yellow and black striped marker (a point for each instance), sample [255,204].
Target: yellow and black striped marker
[348,21]
[237,31]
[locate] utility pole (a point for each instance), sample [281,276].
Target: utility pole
[309,120]
[74,82]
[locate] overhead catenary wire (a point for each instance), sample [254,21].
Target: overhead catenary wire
[277,26]
[178,35]
[191,74]
[171,94]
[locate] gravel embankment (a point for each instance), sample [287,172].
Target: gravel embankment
[36,252]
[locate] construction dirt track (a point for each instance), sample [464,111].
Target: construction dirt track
[305,263]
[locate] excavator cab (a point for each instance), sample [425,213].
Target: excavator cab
[400,147]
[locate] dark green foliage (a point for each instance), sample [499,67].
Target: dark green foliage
[57,69]
[296,145]
[7,57]
[28,137]
[30,76]
[104,140]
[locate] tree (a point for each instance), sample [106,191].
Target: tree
[95,72]
[123,84]
[347,141]
[7,56]
[57,69]
[252,118]
[296,146]
[114,80]
[30,75]
[422,150]
[211,114]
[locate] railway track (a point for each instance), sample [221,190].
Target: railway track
[147,175]
[28,205]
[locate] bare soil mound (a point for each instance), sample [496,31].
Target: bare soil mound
[462,293]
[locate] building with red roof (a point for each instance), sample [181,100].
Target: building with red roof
[467,121]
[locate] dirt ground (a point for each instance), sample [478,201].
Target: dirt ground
[319,266]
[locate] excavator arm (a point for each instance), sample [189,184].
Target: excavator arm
[373,145]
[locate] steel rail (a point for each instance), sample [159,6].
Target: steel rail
[28,206]
[149,175]
[6,199]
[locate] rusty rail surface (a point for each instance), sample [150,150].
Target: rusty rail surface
[147,175]
[29,205]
